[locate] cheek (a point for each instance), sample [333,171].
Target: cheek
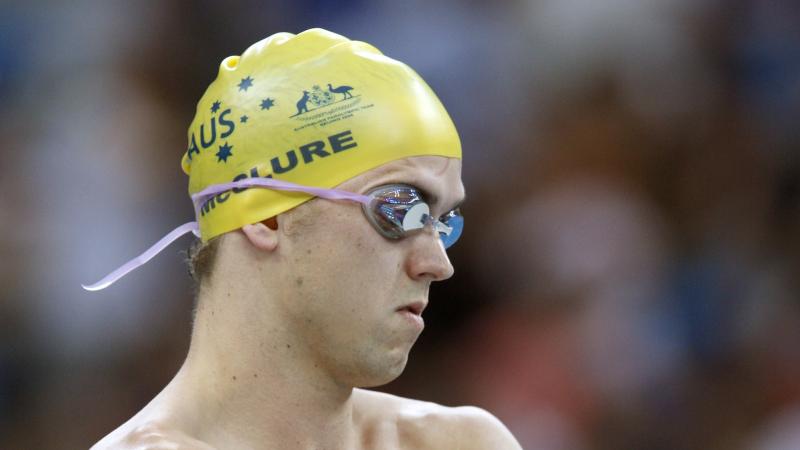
[345,266]
[344,292]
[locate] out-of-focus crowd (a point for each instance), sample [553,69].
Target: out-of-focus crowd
[629,277]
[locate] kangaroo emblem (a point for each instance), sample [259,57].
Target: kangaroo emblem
[301,104]
[341,90]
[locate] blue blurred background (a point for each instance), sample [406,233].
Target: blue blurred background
[629,276]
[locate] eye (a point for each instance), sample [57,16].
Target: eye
[415,216]
[393,210]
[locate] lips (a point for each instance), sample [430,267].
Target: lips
[415,308]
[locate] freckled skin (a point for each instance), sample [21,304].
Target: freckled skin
[311,310]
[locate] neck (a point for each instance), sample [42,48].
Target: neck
[251,384]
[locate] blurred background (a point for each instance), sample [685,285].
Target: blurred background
[629,276]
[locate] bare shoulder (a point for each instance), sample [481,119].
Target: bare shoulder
[424,425]
[149,435]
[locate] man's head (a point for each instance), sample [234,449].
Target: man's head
[327,278]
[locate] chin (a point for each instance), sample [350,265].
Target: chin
[381,374]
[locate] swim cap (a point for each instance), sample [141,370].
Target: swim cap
[297,111]
[314,109]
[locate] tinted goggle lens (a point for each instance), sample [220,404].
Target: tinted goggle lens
[398,210]
[455,221]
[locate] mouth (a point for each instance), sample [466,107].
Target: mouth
[414,308]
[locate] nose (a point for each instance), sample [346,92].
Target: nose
[428,258]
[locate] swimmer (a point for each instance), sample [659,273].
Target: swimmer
[323,219]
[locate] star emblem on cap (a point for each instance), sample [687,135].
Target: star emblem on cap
[224,152]
[267,103]
[245,83]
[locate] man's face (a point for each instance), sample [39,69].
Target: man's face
[345,286]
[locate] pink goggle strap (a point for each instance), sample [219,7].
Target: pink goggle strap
[331,194]
[204,195]
[144,257]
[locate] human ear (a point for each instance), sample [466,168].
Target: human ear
[261,236]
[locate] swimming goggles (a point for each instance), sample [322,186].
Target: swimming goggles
[395,211]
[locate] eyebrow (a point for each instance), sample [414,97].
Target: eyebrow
[459,203]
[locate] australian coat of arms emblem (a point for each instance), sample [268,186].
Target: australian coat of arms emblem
[318,97]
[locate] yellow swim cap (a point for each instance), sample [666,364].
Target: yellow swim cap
[314,109]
